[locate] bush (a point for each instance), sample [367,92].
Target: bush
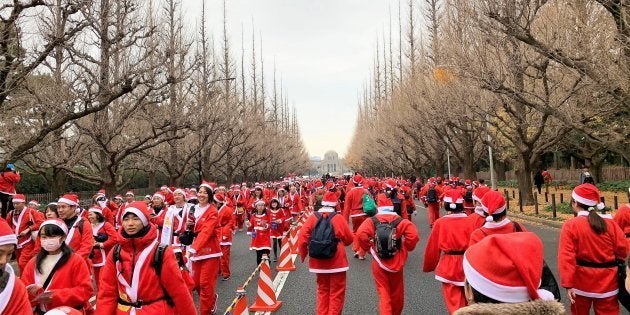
[615,186]
[564,207]
[507,183]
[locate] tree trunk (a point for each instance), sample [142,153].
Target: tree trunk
[59,181]
[152,180]
[468,165]
[500,168]
[524,179]
[596,169]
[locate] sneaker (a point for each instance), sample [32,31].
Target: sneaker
[361,257]
[225,278]
[356,254]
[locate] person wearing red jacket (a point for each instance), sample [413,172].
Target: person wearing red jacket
[279,224]
[478,218]
[259,228]
[9,178]
[239,200]
[587,252]
[205,250]
[80,237]
[24,221]
[494,206]
[444,254]
[13,294]
[131,285]
[295,201]
[101,200]
[226,222]
[433,206]
[105,237]
[330,272]
[256,196]
[353,210]
[622,218]
[57,276]
[388,272]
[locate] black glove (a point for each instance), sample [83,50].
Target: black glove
[186,238]
[101,237]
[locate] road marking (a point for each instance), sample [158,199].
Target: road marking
[278,282]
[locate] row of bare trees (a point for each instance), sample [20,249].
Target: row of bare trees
[100,90]
[522,76]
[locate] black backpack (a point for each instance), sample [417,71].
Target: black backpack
[432,195]
[468,196]
[157,265]
[397,205]
[323,243]
[385,238]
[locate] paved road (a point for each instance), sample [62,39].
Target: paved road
[422,292]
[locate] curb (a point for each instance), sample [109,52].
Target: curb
[549,223]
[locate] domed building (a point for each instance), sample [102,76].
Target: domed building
[330,164]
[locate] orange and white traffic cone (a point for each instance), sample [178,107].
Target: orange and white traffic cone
[241,306]
[293,238]
[286,260]
[266,300]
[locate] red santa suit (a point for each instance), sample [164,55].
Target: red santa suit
[433,208]
[27,220]
[450,235]
[100,250]
[353,209]
[478,218]
[388,273]
[331,272]
[469,205]
[226,222]
[295,203]
[80,239]
[586,260]
[132,286]
[278,218]
[13,295]
[205,255]
[503,227]
[173,222]
[622,218]
[240,201]
[260,231]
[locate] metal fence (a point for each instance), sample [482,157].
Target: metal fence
[613,173]
[85,197]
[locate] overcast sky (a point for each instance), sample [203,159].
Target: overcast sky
[323,49]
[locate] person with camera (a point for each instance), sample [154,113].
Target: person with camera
[24,221]
[9,178]
[104,239]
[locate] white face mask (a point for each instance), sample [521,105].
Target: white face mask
[102,204]
[51,244]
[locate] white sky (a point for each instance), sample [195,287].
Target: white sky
[323,49]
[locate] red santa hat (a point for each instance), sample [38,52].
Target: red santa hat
[179,191]
[164,187]
[119,197]
[96,209]
[390,183]
[130,192]
[159,195]
[588,195]
[56,222]
[318,184]
[139,208]
[357,179]
[454,197]
[19,198]
[191,196]
[148,197]
[384,204]
[431,180]
[34,203]
[219,197]
[259,202]
[7,236]
[207,185]
[64,310]
[69,199]
[479,192]
[330,199]
[493,202]
[513,274]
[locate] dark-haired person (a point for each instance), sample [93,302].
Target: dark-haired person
[24,221]
[494,207]
[478,218]
[205,250]
[9,178]
[507,283]
[444,253]
[13,295]
[258,227]
[80,237]
[57,276]
[105,237]
[587,250]
[51,211]
[131,285]
[226,222]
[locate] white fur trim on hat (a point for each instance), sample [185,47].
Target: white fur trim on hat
[18,200]
[159,196]
[67,201]
[8,239]
[137,212]
[179,191]
[601,206]
[55,222]
[385,209]
[584,201]
[494,290]
[329,203]
[95,209]
[207,186]
[259,202]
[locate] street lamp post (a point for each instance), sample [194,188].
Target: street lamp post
[493,181]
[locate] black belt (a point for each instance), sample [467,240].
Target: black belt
[139,303]
[589,264]
[455,252]
[175,234]
[627,235]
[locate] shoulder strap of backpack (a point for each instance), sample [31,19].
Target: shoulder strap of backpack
[375,221]
[79,225]
[396,222]
[158,258]
[116,253]
[318,215]
[517,227]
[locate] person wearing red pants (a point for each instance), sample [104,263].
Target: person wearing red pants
[330,272]
[388,272]
[226,222]
[239,200]
[353,210]
[24,221]
[587,252]
[450,235]
[205,250]
[430,196]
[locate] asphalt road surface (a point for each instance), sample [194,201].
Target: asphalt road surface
[423,293]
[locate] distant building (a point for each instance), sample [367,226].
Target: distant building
[330,164]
